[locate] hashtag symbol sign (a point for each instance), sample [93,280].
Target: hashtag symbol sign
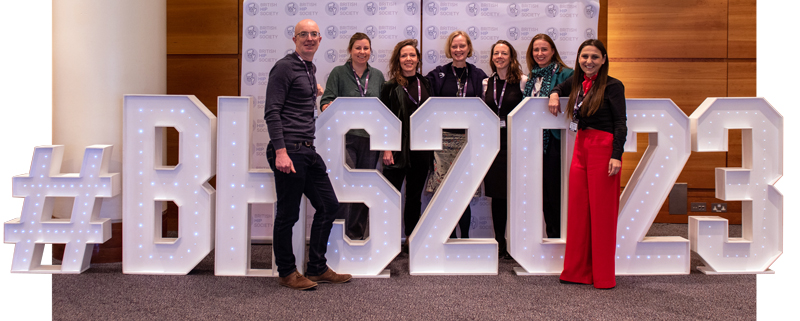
[36,225]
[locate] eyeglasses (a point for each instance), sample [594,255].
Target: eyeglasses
[305,34]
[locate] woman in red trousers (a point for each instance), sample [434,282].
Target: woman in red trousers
[596,109]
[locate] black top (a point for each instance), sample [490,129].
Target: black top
[512,97]
[610,117]
[397,100]
[289,105]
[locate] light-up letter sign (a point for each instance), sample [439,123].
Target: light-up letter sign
[669,148]
[526,238]
[753,184]
[430,249]
[239,186]
[36,227]
[148,183]
[361,257]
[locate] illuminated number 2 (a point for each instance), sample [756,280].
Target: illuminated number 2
[430,251]
[669,149]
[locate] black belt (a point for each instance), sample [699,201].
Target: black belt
[307,143]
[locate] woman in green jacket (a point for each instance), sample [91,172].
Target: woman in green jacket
[547,71]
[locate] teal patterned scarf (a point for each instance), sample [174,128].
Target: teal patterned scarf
[546,74]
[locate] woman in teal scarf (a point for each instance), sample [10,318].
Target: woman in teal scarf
[547,71]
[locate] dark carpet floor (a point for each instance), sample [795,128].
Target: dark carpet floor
[104,293]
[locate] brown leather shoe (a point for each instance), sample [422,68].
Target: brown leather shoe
[298,282]
[330,277]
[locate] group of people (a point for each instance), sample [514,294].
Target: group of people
[596,110]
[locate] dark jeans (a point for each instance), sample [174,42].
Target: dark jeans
[356,215]
[311,179]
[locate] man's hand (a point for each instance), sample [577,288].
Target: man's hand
[282,161]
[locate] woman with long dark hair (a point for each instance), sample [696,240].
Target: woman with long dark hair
[597,111]
[502,92]
[548,70]
[405,91]
[455,79]
[356,78]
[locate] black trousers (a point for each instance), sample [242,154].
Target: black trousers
[414,175]
[551,187]
[310,178]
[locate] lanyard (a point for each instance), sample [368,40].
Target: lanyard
[502,93]
[578,104]
[419,93]
[310,79]
[361,90]
[461,90]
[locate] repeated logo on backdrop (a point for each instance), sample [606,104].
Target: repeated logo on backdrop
[386,23]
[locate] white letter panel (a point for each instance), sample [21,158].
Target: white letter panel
[361,257]
[527,241]
[663,160]
[147,182]
[753,184]
[431,251]
[36,226]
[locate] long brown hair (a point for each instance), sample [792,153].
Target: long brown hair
[529,54]
[514,72]
[356,37]
[395,71]
[594,98]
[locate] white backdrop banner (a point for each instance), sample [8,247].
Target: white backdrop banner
[568,22]
[268,27]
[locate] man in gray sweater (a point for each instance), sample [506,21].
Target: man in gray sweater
[289,113]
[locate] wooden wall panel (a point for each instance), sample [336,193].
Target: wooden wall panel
[202,26]
[734,214]
[688,84]
[667,29]
[742,78]
[742,29]
[203,76]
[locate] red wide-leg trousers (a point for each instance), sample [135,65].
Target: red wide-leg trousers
[592,212]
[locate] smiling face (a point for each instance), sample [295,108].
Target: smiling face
[591,59]
[500,56]
[361,52]
[542,52]
[408,60]
[459,49]
[306,44]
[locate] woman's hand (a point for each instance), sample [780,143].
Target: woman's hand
[614,166]
[322,108]
[320,91]
[554,104]
[388,159]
